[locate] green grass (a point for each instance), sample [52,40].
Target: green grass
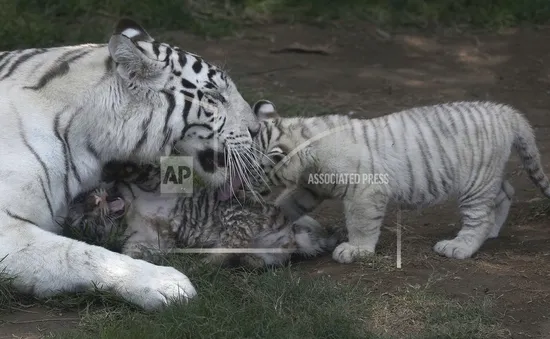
[239,305]
[284,304]
[51,22]
[281,303]
[7,293]
[90,232]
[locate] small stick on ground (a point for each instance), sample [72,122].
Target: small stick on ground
[299,48]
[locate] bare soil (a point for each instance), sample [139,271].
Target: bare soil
[371,75]
[35,321]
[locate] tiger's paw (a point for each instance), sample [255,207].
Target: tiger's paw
[154,287]
[455,248]
[346,253]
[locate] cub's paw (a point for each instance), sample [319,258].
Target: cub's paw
[153,287]
[494,233]
[492,236]
[455,248]
[346,253]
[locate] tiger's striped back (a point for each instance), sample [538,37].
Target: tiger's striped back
[428,152]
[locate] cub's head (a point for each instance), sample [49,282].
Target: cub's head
[270,148]
[188,106]
[97,217]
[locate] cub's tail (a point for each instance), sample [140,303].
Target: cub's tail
[528,151]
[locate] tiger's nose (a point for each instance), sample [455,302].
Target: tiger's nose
[253,133]
[254,130]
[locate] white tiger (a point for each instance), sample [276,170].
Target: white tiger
[67,111]
[422,157]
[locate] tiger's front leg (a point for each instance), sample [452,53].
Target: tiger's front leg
[295,202]
[46,264]
[364,218]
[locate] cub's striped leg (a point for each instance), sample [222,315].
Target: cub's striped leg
[503,202]
[364,217]
[478,219]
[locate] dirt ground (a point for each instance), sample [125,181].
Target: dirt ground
[371,75]
[365,72]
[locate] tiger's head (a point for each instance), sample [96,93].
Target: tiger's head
[197,109]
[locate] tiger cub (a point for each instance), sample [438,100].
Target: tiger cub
[417,157]
[161,222]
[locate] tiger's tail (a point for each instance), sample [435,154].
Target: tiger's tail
[528,151]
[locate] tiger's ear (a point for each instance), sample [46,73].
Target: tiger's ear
[132,30]
[131,48]
[265,109]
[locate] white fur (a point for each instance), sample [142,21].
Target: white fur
[131,33]
[146,211]
[107,109]
[426,155]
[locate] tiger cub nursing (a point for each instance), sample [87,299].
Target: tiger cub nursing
[417,158]
[160,222]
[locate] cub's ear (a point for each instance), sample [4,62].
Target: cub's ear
[265,109]
[131,48]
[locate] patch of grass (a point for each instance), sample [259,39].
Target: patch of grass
[241,304]
[51,22]
[283,304]
[106,232]
[426,315]
[278,303]
[7,294]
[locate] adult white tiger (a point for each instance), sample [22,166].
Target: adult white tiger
[422,156]
[65,112]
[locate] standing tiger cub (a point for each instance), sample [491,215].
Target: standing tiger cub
[427,154]
[67,111]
